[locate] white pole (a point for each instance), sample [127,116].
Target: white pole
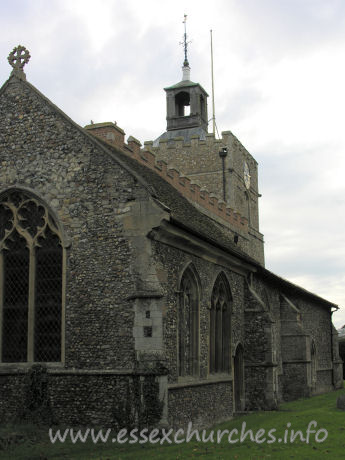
[213,109]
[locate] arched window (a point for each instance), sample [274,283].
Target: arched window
[220,326]
[182,104]
[188,325]
[30,281]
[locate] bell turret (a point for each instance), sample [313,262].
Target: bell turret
[186,105]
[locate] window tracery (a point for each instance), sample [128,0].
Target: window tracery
[220,326]
[188,325]
[30,281]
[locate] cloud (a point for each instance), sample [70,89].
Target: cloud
[279,87]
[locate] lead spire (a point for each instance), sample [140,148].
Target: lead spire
[185,43]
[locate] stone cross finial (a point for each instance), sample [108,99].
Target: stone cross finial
[17,59]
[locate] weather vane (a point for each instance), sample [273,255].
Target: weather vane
[18,57]
[185,43]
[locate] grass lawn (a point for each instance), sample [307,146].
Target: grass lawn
[33,443]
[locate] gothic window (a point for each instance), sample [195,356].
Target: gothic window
[30,281]
[188,325]
[220,326]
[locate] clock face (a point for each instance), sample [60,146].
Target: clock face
[246,175]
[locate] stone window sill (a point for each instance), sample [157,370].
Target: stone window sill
[210,380]
[23,368]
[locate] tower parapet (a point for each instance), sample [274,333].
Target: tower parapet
[235,178]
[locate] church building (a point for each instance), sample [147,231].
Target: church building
[133,287]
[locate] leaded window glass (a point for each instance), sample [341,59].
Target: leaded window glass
[30,281]
[220,326]
[188,325]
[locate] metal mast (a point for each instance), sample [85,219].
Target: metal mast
[213,109]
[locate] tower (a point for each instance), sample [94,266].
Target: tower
[221,166]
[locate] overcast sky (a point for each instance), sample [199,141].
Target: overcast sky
[279,87]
